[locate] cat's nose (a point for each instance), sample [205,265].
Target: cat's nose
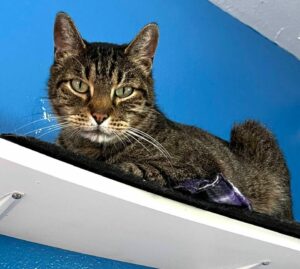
[99,117]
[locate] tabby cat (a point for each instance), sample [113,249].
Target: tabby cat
[104,99]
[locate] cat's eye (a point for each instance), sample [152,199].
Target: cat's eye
[79,86]
[123,92]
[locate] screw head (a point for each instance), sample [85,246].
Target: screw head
[16,195]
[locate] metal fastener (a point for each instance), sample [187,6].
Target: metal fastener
[16,195]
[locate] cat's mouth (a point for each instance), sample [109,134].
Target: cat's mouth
[98,134]
[96,131]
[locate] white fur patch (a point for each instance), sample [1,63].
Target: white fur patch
[98,138]
[105,136]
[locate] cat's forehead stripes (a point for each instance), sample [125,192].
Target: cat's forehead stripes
[107,59]
[111,67]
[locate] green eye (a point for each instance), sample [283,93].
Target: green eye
[124,92]
[79,86]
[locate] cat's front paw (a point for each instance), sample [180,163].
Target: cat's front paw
[147,172]
[131,168]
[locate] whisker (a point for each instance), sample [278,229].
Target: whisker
[52,130]
[41,129]
[46,128]
[127,137]
[52,117]
[152,139]
[153,144]
[138,141]
[72,131]
[116,134]
[59,127]
[25,125]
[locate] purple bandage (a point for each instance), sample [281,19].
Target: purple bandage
[218,190]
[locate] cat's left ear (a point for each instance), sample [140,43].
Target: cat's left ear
[67,39]
[142,49]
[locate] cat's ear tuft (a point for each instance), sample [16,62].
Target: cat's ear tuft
[67,39]
[142,49]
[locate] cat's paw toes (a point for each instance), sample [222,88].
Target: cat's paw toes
[131,168]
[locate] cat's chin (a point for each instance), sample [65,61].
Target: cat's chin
[98,137]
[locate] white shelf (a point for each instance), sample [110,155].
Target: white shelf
[71,208]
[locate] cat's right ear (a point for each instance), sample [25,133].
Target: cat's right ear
[67,39]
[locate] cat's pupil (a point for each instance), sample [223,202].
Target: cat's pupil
[124,92]
[79,86]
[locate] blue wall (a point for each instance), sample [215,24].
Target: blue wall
[210,69]
[19,254]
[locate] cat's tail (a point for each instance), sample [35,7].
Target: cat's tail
[258,150]
[255,144]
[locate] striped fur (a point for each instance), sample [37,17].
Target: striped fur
[138,138]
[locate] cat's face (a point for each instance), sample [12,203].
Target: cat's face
[102,91]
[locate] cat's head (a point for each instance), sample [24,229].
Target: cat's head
[102,91]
